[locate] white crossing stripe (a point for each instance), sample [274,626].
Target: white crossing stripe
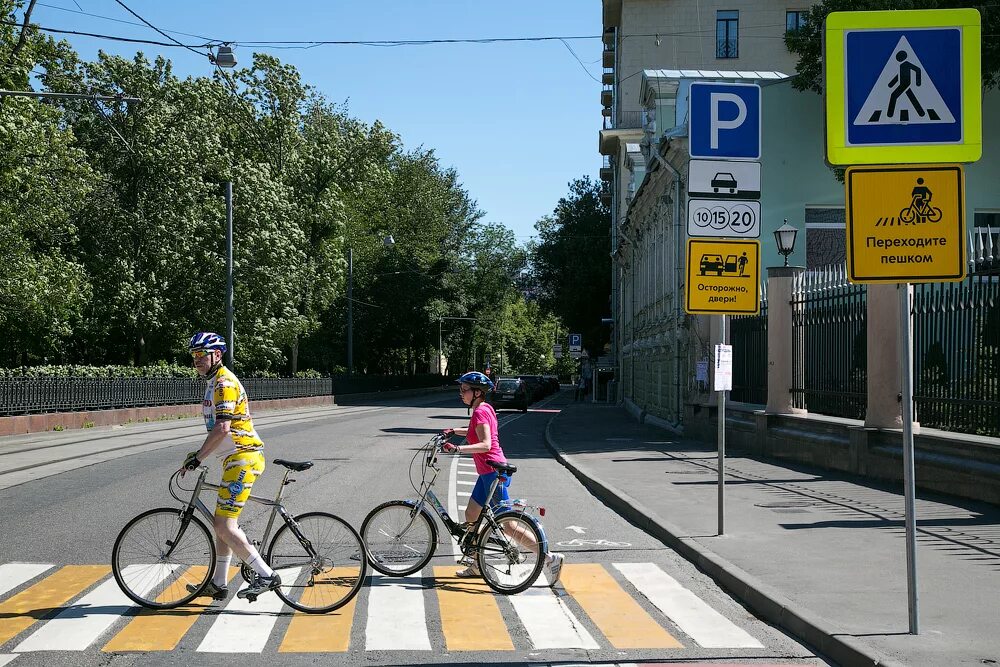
[13,575]
[5,659]
[396,619]
[549,622]
[704,625]
[244,626]
[464,483]
[78,626]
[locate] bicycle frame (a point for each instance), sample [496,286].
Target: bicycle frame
[195,503]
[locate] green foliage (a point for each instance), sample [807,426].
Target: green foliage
[807,42]
[161,370]
[572,265]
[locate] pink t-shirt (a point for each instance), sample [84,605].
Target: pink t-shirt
[484,414]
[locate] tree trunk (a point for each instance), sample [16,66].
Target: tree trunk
[295,356]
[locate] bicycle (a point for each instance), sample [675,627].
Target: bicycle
[401,535]
[921,213]
[164,557]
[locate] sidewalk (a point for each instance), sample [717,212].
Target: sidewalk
[814,552]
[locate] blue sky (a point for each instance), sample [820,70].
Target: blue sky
[518,121]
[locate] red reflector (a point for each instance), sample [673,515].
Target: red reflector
[541,511]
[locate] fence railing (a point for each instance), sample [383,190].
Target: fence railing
[829,332]
[956,355]
[29,395]
[748,335]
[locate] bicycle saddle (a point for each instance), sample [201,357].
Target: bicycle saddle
[297,466]
[504,468]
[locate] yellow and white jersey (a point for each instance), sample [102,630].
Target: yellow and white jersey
[225,398]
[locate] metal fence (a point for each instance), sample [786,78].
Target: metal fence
[748,335]
[28,395]
[956,355]
[829,332]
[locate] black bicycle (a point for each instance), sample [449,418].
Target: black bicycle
[508,544]
[164,557]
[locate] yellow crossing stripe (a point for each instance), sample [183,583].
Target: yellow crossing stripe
[470,615]
[162,630]
[21,611]
[331,632]
[614,611]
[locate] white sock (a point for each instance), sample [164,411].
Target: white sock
[258,564]
[221,575]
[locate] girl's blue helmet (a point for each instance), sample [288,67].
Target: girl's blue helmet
[476,379]
[206,340]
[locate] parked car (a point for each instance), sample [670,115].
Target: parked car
[536,388]
[553,383]
[510,393]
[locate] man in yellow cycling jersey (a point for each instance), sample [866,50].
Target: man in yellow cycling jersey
[230,435]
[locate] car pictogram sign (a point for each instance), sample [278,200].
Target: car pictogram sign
[723,277]
[906,223]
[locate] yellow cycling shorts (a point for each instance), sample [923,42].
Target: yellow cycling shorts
[239,471]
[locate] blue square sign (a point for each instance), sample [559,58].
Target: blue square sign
[724,120]
[903,86]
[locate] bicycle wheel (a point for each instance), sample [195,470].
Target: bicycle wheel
[161,563]
[907,215]
[511,552]
[934,214]
[401,539]
[327,580]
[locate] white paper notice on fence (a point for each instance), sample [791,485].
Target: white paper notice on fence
[723,368]
[701,371]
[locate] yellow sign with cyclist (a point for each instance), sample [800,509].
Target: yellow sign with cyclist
[906,223]
[723,277]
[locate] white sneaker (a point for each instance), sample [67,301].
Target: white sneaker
[470,572]
[554,563]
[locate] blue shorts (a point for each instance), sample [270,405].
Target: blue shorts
[483,485]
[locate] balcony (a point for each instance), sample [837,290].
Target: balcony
[606,97]
[607,171]
[609,58]
[629,120]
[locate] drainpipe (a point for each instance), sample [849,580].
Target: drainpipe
[675,282]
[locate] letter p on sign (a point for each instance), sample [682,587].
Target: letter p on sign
[724,120]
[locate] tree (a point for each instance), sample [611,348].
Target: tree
[572,265]
[807,42]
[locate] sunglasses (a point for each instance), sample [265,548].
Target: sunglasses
[200,354]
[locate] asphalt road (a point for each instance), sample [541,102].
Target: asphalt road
[614,571]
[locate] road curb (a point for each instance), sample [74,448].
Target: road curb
[764,600]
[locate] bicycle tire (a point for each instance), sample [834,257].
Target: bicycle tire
[508,566]
[388,552]
[907,215]
[327,581]
[144,575]
[934,215]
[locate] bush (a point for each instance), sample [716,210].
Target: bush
[161,370]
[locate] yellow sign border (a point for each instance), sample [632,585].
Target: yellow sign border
[837,150]
[689,281]
[961,240]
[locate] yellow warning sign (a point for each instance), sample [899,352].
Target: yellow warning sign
[906,224]
[723,277]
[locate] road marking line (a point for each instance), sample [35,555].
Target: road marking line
[162,630]
[464,483]
[616,613]
[244,627]
[549,622]
[6,659]
[13,575]
[313,633]
[396,619]
[453,508]
[707,627]
[21,611]
[80,625]
[463,599]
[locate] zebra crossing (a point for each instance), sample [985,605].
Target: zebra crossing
[44,607]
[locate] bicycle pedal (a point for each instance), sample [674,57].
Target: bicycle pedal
[251,598]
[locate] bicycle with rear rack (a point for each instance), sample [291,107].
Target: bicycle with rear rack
[507,542]
[164,557]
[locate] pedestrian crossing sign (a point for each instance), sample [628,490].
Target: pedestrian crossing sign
[903,86]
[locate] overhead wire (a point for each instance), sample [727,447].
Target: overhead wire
[170,37]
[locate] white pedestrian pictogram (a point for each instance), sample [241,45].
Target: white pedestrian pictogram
[904,93]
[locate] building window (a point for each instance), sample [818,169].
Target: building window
[727,26]
[795,20]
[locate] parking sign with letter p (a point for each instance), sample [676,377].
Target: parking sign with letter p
[724,120]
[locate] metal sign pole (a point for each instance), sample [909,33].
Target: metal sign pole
[906,364]
[722,441]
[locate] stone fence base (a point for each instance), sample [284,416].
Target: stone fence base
[956,464]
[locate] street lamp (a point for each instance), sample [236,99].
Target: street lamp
[224,57]
[388,242]
[784,236]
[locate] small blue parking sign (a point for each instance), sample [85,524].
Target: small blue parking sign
[724,120]
[904,86]
[575,342]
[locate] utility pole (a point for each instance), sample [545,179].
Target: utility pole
[350,312]
[229,274]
